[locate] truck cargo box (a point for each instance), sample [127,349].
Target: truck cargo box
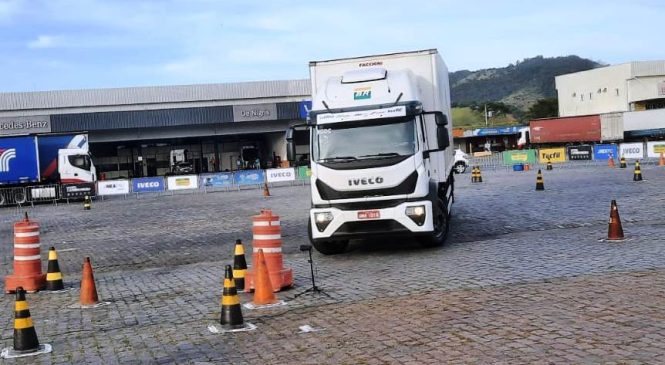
[566,129]
[18,160]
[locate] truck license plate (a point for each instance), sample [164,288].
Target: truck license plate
[369,214]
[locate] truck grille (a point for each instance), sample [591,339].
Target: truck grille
[407,186]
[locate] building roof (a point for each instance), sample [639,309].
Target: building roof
[16,101]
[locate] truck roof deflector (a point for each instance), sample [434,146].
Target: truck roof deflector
[363,75]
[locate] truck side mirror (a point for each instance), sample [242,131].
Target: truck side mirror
[440,119]
[442,137]
[290,145]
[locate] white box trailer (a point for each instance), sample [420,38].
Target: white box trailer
[381,149]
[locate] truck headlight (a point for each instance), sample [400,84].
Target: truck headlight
[417,214]
[322,220]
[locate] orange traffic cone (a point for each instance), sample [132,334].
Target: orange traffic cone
[661,162]
[263,291]
[610,162]
[614,231]
[88,288]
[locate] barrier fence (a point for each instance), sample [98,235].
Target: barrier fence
[574,156]
[206,182]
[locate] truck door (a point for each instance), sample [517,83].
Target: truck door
[75,167]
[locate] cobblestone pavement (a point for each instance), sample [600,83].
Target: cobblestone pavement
[524,278]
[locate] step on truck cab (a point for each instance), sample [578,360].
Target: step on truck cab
[380,137]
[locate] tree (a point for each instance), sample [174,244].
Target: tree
[544,108]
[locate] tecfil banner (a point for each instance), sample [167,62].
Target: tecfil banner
[277,175]
[631,150]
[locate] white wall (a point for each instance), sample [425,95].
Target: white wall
[597,91]
[644,88]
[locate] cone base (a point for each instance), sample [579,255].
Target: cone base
[88,306]
[281,279]
[218,328]
[30,283]
[252,305]
[10,353]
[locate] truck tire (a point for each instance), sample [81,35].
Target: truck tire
[459,168]
[324,246]
[20,197]
[441,226]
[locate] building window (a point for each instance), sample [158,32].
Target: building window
[590,94]
[617,90]
[604,89]
[599,91]
[574,94]
[581,97]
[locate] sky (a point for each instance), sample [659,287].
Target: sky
[77,44]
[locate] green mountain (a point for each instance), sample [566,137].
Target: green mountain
[518,85]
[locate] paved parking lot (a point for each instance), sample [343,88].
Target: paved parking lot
[524,278]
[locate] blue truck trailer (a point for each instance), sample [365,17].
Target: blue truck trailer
[30,162]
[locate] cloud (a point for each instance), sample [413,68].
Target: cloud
[44,41]
[9,9]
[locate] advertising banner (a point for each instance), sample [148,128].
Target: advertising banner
[655,148]
[604,151]
[248,177]
[631,150]
[218,180]
[148,184]
[554,155]
[113,187]
[77,190]
[579,153]
[304,172]
[182,182]
[277,175]
[519,156]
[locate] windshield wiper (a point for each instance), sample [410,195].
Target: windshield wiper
[383,154]
[339,159]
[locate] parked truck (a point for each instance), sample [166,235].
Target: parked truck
[380,137]
[33,161]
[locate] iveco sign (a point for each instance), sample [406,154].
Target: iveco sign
[245,113]
[25,125]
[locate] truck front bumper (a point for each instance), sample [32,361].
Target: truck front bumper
[348,224]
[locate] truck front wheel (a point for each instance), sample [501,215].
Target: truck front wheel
[327,247]
[441,226]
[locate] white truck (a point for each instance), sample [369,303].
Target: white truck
[380,137]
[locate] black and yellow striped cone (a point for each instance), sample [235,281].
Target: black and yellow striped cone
[474,178]
[637,175]
[549,164]
[622,162]
[540,183]
[239,266]
[479,176]
[87,203]
[231,311]
[25,337]
[53,274]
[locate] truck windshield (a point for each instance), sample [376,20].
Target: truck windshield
[367,140]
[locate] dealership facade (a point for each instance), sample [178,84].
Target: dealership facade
[132,131]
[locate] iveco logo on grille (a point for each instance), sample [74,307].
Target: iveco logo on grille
[366,181]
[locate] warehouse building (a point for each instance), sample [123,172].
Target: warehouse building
[634,86]
[134,132]
[633,93]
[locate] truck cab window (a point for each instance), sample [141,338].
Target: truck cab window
[80,161]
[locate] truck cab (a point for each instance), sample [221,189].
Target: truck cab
[75,166]
[379,146]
